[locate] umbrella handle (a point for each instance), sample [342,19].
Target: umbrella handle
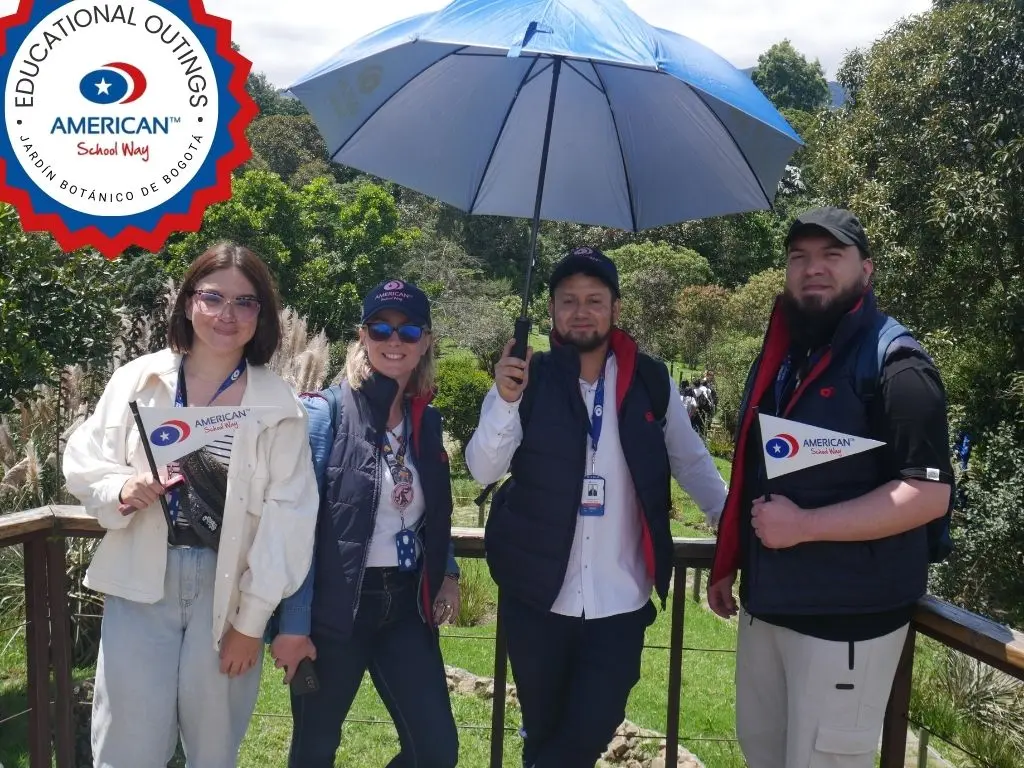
[522,337]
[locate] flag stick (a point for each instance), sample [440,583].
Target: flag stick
[153,469]
[764,458]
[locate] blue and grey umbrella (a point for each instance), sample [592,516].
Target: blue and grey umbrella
[569,110]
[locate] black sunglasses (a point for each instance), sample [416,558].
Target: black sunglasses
[381,331]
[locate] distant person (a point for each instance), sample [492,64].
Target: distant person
[835,559]
[593,432]
[690,403]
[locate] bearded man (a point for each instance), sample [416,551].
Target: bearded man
[579,536]
[833,557]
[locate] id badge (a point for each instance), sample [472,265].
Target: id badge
[592,504]
[405,543]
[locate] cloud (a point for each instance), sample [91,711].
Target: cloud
[287,39]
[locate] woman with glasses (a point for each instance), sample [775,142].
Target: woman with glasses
[186,604]
[382,581]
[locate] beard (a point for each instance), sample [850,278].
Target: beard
[813,321]
[585,342]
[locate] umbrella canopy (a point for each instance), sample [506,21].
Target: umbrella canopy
[572,110]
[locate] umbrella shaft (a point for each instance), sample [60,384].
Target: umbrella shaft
[556,69]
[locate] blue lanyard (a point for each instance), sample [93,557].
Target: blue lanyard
[181,395]
[180,401]
[597,416]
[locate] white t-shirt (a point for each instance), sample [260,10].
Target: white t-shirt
[383,552]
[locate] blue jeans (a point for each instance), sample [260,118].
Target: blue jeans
[403,656]
[158,672]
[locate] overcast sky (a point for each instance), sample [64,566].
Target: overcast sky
[286,38]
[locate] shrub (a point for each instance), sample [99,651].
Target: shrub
[476,604]
[461,387]
[984,573]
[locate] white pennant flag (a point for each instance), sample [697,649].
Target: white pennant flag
[176,432]
[791,445]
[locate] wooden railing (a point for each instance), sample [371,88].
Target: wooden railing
[43,534]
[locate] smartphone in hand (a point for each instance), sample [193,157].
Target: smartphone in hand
[304,680]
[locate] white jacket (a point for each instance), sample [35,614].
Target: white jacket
[266,540]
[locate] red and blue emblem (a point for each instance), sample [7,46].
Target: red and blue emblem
[782,446]
[122,123]
[170,432]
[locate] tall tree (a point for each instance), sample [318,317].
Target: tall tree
[932,157]
[786,77]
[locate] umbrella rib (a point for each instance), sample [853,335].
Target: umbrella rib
[535,75]
[504,122]
[569,63]
[380,106]
[699,95]
[622,155]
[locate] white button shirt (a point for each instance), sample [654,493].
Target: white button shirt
[606,574]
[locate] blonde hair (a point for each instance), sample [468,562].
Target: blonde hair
[358,369]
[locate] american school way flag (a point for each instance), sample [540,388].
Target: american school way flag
[790,445]
[177,432]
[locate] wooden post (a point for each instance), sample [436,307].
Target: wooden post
[60,650]
[675,665]
[894,729]
[498,704]
[37,642]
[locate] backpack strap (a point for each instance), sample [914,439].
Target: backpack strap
[322,430]
[890,336]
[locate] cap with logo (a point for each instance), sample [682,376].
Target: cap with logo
[401,296]
[842,224]
[585,261]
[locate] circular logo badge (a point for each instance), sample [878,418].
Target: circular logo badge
[782,446]
[170,432]
[394,285]
[122,122]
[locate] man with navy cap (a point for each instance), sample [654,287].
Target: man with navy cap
[833,556]
[578,537]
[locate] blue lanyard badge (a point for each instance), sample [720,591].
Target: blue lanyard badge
[592,502]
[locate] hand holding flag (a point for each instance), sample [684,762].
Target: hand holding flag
[789,446]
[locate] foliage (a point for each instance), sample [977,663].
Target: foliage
[700,311]
[984,573]
[461,387]
[286,145]
[651,275]
[970,704]
[749,307]
[269,100]
[790,81]
[476,606]
[55,309]
[932,157]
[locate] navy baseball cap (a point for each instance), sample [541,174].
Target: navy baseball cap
[842,224]
[585,261]
[401,296]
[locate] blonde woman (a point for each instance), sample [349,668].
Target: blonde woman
[186,606]
[383,580]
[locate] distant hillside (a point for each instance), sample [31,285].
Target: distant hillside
[834,88]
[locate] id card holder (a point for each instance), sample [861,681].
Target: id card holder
[592,503]
[405,544]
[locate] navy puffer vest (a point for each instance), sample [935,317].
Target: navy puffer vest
[533,517]
[351,494]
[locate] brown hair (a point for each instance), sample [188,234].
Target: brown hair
[229,255]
